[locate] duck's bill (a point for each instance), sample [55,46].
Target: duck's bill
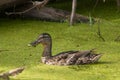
[33,44]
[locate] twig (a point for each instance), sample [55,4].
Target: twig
[96,3]
[99,32]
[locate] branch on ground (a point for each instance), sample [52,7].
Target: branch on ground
[99,32]
[13,72]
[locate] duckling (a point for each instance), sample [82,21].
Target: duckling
[63,58]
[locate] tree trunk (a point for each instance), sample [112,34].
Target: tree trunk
[72,18]
[118,4]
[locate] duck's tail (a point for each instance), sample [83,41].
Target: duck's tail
[95,58]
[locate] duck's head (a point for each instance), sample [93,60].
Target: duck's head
[43,38]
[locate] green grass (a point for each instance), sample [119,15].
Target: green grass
[15,34]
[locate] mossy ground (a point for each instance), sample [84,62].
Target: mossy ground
[15,34]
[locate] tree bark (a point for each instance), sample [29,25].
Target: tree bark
[118,4]
[72,18]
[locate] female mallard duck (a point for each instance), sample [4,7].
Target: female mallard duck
[64,58]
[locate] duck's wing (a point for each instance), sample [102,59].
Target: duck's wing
[71,55]
[65,54]
[71,60]
[60,59]
[76,57]
[83,57]
[85,53]
[79,53]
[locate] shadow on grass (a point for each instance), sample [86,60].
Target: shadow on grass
[28,79]
[103,62]
[85,67]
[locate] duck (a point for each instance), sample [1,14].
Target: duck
[65,58]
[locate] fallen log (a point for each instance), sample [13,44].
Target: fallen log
[46,14]
[36,10]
